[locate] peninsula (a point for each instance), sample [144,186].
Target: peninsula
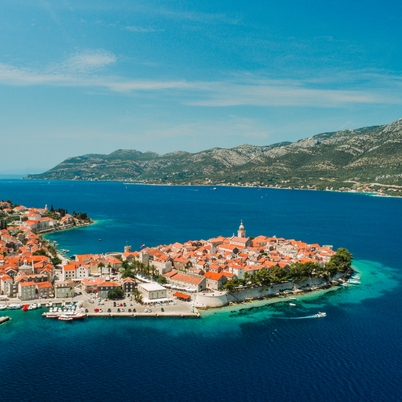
[177,278]
[367,159]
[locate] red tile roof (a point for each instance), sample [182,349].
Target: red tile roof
[182,296]
[213,275]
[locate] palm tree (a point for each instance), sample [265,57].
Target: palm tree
[100,266]
[137,296]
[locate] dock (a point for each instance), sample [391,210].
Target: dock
[4,319]
[108,309]
[145,315]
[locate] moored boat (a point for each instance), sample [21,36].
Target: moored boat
[25,307]
[14,306]
[74,315]
[51,314]
[64,318]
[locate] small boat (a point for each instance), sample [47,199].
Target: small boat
[3,307]
[64,318]
[292,304]
[25,307]
[320,314]
[14,306]
[51,314]
[354,281]
[74,315]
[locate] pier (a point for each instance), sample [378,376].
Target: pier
[168,310]
[4,319]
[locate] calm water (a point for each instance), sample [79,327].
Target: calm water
[269,352]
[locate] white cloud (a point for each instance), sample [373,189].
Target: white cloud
[88,61]
[282,95]
[78,71]
[286,92]
[84,70]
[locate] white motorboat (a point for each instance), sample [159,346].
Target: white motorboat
[74,315]
[14,306]
[51,314]
[321,314]
[64,318]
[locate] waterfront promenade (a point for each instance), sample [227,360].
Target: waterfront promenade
[175,308]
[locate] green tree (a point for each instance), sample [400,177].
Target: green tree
[40,252]
[55,261]
[341,261]
[116,293]
[161,279]
[100,266]
[137,296]
[128,273]
[233,284]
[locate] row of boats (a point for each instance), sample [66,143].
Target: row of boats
[13,306]
[354,280]
[32,306]
[65,314]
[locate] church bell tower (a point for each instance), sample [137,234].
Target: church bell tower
[241,232]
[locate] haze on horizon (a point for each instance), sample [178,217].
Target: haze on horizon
[96,76]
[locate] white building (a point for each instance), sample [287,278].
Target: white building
[152,292]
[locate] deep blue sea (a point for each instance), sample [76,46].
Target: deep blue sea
[264,353]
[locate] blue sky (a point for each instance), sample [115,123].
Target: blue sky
[80,77]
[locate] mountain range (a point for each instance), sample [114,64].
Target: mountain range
[368,156]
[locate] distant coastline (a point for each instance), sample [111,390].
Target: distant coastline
[390,190]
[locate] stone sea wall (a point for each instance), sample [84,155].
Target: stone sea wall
[221,299]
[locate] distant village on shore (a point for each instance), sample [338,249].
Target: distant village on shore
[206,273]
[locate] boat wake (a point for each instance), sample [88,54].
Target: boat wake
[303,318]
[318,315]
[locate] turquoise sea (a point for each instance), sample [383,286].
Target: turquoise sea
[250,352]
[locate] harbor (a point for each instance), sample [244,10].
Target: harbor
[90,307]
